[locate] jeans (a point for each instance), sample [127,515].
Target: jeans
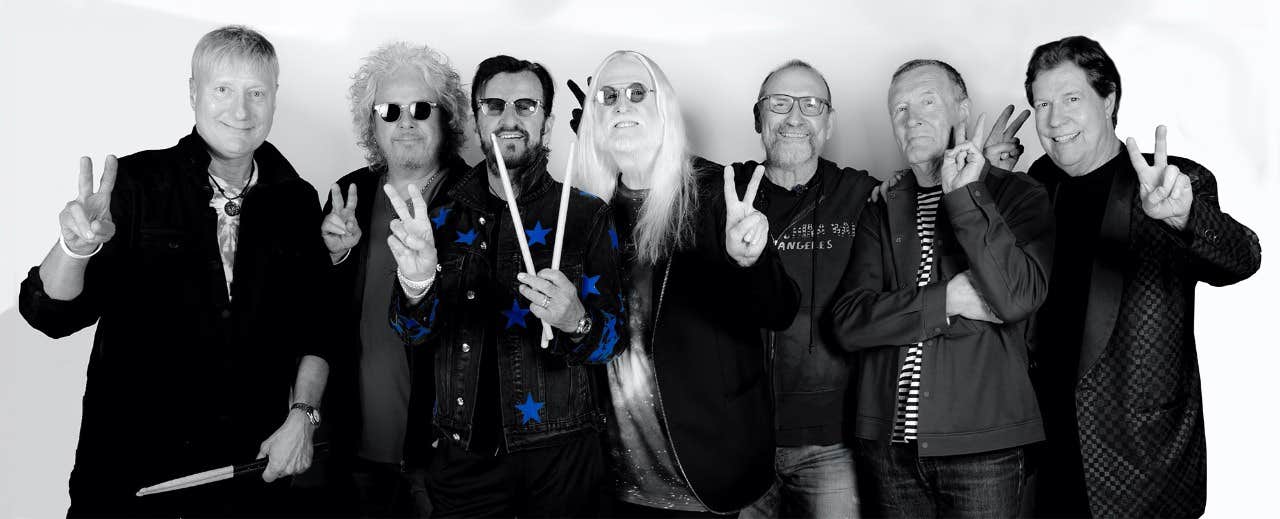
[554,481]
[986,484]
[809,481]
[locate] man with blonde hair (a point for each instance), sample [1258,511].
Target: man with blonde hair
[693,427]
[197,262]
[409,111]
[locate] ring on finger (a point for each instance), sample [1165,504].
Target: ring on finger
[546,301]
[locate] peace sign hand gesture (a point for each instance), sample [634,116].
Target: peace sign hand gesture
[1002,147]
[746,229]
[1165,190]
[86,221]
[340,230]
[963,163]
[412,243]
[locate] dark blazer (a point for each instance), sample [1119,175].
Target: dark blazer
[709,356]
[975,389]
[1137,386]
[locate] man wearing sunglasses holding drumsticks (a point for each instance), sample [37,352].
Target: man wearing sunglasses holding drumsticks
[518,420]
[409,110]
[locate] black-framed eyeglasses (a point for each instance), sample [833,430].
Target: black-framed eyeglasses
[390,112]
[494,106]
[783,103]
[635,92]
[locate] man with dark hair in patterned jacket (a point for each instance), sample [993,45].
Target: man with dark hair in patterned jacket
[1119,381]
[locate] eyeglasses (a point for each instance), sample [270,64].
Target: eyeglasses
[783,103]
[634,92]
[494,106]
[390,112]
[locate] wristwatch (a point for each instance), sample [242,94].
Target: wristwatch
[584,327]
[312,412]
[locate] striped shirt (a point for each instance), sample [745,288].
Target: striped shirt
[907,418]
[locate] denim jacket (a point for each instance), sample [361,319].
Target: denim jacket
[546,395]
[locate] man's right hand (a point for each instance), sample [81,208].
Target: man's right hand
[582,98]
[86,221]
[412,244]
[340,229]
[964,300]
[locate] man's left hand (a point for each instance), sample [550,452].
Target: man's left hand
[289,449]
[963,163]
[1165,190]
[552,298]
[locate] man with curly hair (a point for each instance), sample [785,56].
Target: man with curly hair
[408,107]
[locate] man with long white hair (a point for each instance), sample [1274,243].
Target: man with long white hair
[693,425]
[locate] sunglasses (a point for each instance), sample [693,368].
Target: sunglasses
[783,104]
[634,92]
[390,112]
[493,106]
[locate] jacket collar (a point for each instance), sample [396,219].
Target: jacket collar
[472,189]
[273,168]
[1110,261]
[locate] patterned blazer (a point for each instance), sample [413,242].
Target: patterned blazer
[1137,394]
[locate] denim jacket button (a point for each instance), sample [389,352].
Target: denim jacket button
[471,294]
[459,400]
[456,437]
[481,220]
[484,246]
[466,348]
[439,267]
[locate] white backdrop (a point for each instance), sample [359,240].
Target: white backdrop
[89,78]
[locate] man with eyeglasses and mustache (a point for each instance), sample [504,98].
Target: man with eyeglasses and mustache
[812,206]
[409,109]
[946,272]
[518,424]
[692,431]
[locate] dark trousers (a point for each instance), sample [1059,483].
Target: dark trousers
[987,484]
[390,490]
[556,481]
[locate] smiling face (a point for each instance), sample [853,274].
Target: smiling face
[1073,122]
[923,108]
[794,138]
[234,103]
[407,143]
[520,137]
[626,127]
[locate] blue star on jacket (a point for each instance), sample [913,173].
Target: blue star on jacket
[529,409]
[516,315]
[589,285]
[466,237]
[440,216]
[613,238]
[537,234]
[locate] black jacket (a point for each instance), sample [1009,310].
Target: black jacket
[180,379]
[546,396]
[709,357]
[810,371]
[975,391]
[1136,391]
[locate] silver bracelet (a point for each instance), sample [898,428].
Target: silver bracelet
[414,289]
[67,250]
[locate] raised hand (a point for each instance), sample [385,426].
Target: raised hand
[964,300]
[1002,147]
[963,163]
[581,97]
[340,230]
[1164,189]
[746,229]
[86,221]
[412,243]
[553,298]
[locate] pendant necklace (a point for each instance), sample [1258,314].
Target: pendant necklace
[232,208]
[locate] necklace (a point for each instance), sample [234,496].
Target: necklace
[232,208]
